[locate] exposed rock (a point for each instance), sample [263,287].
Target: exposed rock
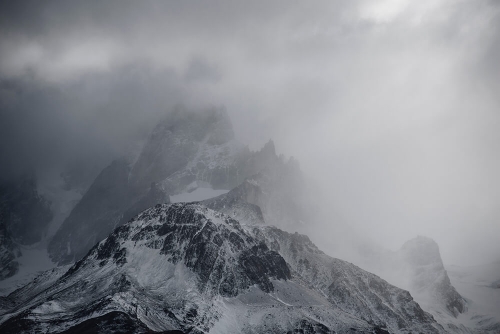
[188,268]
[185,150]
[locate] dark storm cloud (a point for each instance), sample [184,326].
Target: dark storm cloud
[97,116]
[392,105]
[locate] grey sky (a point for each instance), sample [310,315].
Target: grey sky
[392,105]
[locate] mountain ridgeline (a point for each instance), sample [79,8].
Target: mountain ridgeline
[188,268]
[130,261]
[185,151]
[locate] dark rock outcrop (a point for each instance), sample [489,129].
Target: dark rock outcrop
[188,268]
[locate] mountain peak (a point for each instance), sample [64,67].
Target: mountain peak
[188,268]
[430,280]
[180,138]
[196,125]
[269,148]
[421,251]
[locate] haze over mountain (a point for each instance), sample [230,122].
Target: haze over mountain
[185,152]
[391,107]
[227,247]
[185,267]
[359,125]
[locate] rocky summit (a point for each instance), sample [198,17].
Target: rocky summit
[185,268]
[185,151]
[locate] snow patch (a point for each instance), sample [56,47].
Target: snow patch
[199,194]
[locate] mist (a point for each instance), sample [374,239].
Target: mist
[391,109]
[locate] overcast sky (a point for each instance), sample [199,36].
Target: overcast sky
[393,106]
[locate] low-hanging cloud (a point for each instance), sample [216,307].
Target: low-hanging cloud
[393,108]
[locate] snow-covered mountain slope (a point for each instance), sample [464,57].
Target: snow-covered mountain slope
[461,299]
[348,287]
[479,285]
[186,267]
[186,152]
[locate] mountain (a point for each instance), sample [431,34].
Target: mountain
[24,217]
[108,202]
[272,197]
[189,147]
[8,252]
[461,299]
[185,152]
[188,268]
[479,285]
[429,278]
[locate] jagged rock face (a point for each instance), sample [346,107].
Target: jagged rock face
[348,287]
[188,268]
[185,234]
[181,138]
[24,216]
[428,275]
[186,149]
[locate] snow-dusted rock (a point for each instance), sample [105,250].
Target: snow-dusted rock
[186,267]
[185,152]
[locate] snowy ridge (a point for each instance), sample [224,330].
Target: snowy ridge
[348,287]
[187,154]
[186,267]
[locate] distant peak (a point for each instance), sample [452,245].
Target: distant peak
[421,250]
[422,241]
[269,147]
[222,127]
[196,125]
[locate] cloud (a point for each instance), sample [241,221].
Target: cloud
[392,106]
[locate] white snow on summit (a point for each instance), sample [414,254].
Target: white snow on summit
[199,194]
